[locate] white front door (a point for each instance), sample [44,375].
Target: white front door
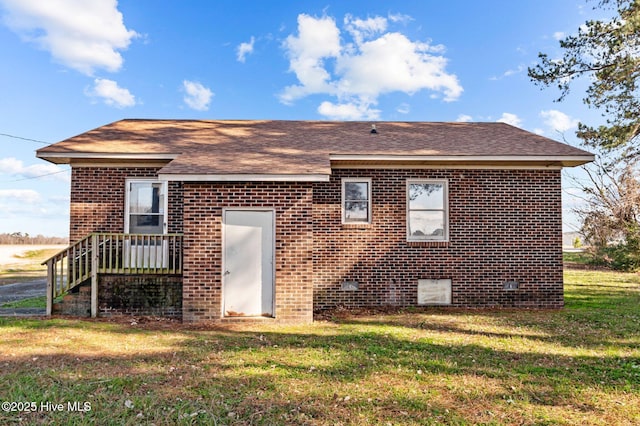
[248,250]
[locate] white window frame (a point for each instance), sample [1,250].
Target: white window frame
[127,198]
[445,209]
[343,200]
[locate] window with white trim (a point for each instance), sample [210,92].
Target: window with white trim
[146,207]
[356,200]
[427,210]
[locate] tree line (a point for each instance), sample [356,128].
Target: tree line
[605,54]
[25,238]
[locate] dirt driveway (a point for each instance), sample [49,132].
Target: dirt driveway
[23,290]
[20,291]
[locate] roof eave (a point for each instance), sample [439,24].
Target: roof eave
[244,177]
[345,160]
[71,157]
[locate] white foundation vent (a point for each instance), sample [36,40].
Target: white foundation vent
[434,292]
[350,286]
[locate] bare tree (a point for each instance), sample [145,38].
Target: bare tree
[611,213]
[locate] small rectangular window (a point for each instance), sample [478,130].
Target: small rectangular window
[427,215]
[356,200]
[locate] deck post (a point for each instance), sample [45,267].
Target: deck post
[50,280]
[94,275]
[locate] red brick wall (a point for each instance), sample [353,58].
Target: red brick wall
[98,199]
[202,285]
[505,225]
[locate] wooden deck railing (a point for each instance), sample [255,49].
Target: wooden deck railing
[111,253]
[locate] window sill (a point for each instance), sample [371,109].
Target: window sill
[428,243]
[361,225]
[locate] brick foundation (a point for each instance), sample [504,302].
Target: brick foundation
[140,295]
[76,303]
[153,295]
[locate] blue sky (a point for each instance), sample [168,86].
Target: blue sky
[69,66]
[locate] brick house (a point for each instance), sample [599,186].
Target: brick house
[208,220]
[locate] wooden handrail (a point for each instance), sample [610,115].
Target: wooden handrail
[67,269]
[111,253]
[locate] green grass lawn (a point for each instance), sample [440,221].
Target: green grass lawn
[34,302]
[579,365]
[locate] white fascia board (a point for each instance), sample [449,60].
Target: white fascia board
[466,158]
[105,156]
[242,178]
[481,161]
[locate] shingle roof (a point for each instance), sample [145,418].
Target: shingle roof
[264,147]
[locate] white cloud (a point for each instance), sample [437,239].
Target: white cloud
[13,167]
[197,96]
[559,35]
[464,118]
[511,72]
[348,111]
[357,73]
[508,73]
[27,209]
[26,196]
[364,28]
[111,93]
[558,121]
[245,49]
[318,39]
[10,166]
[83,35]
[394,63]
[404,108]
[511,119]
[399,17]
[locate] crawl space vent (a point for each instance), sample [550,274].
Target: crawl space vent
[511,285]
[434,292]
[350,286]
